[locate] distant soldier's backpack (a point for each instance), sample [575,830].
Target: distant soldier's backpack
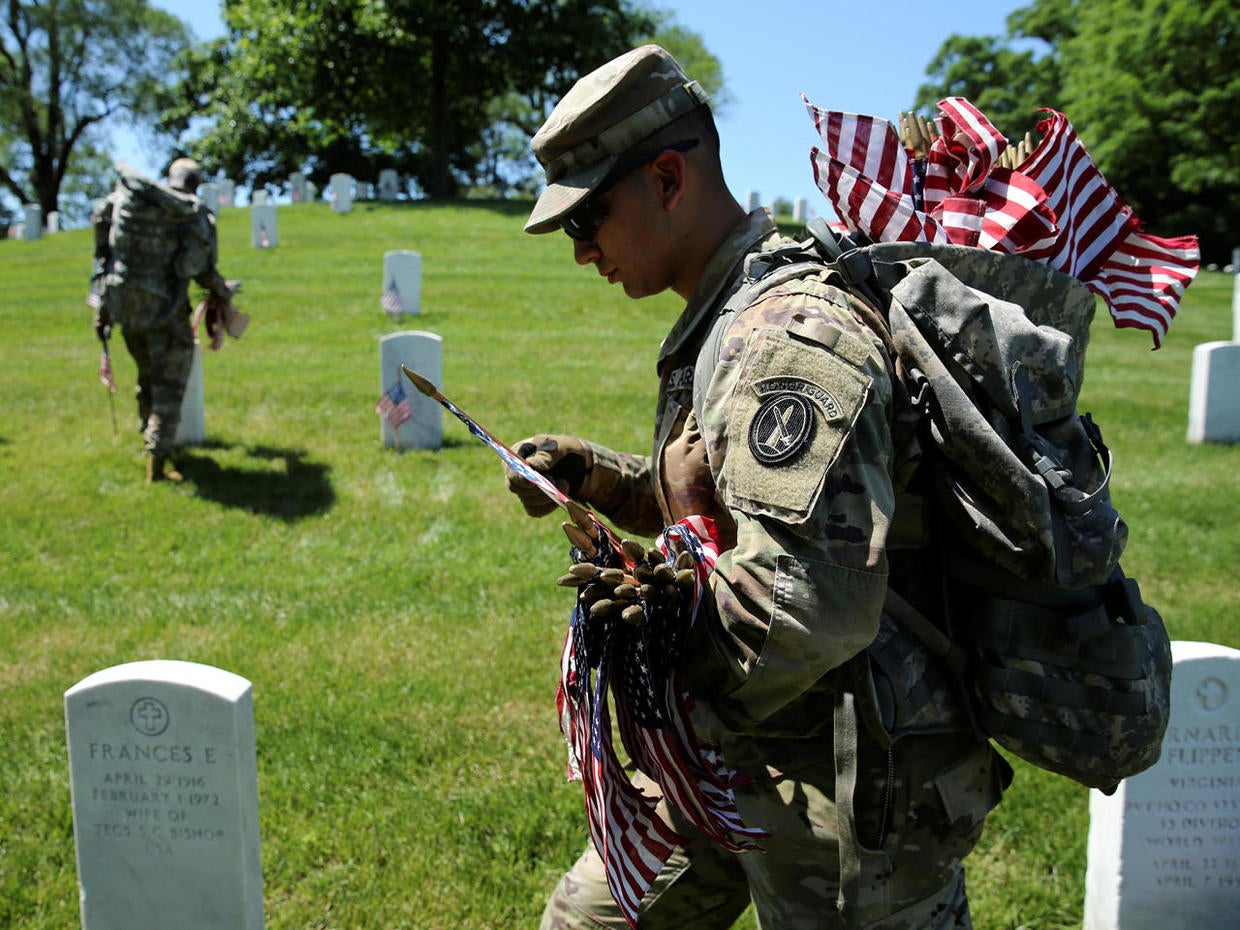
[1063,662]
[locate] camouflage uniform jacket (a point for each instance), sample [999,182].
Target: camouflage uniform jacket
[150,241]
[792,453]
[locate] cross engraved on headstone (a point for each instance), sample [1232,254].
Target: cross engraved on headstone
[150,716]
[1211,693]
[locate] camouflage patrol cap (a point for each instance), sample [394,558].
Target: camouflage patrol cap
[185,174]
[606,113]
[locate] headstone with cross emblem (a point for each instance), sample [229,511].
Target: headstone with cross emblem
[1164,849]
[165,800]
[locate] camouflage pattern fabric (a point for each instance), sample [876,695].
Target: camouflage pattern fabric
[934,798]
[794,455]
[163,357]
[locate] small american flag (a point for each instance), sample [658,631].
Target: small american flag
[105,371]
[391,301]
[394,405]
[1055,207]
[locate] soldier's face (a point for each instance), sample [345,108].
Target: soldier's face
[629,246]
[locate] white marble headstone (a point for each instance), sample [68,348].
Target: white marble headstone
[342,192]
[1214,393]
[33,222]
[389,184]
[423,352]
[53,222]
[800,210]
[192,427]
[1235,299]
[753,200]
[258,198]
[297,186]
[209,194]
[228,193]
[164,784]
[263,232]
[1164,849]
[402,283]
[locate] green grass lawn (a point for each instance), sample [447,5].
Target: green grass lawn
[396,613]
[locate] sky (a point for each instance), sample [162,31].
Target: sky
[841,54]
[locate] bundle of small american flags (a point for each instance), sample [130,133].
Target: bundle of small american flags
[1054,207]
[641,666]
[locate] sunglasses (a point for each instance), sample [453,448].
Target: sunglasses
[582,222]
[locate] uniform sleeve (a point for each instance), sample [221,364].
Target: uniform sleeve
[101,220]
[621,490]
[797,421]
[198,253]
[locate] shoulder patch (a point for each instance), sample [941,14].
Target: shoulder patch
[791,414]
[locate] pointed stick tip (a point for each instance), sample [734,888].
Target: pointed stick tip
[422,384]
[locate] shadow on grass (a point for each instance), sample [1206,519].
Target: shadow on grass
[280,484]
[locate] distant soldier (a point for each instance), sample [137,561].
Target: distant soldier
[151,239]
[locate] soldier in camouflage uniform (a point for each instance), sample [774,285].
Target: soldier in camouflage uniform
[797,446]
[151,239]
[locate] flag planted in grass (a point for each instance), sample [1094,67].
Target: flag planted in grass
[394,405]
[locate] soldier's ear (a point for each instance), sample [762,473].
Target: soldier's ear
[670,170]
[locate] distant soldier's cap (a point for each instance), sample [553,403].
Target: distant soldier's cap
[185,174]
[607,113]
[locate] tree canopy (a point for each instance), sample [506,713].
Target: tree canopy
[446,91]
[66,68]
[1148,85]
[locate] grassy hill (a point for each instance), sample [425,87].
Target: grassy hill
[396,612]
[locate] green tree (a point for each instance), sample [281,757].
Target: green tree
[1006,84]
[67,68]
[348,85]
[1148,84]
[1153,85]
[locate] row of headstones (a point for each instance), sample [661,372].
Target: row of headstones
[1214,392]
[31,225]
[343,189]
[420,351]
[800,207]
[164,787]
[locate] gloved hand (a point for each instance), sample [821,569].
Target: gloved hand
[103,326]
[566,460]
[654,584]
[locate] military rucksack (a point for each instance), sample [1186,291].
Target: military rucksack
[1061,661]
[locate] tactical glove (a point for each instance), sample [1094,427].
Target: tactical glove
[566,460]
[654,584]
[103,326]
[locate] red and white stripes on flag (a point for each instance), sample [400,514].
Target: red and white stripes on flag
[1056,207]
[391,301]
[1141,277]
[105,371]
[628,834]
[394,405]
